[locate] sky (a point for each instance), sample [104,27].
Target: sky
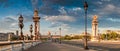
[65,14]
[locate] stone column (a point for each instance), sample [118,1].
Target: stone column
[36,19]
[95,28]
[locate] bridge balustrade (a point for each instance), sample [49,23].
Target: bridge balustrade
[17,45]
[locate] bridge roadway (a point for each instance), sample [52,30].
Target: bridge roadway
[99,46]
[49,46]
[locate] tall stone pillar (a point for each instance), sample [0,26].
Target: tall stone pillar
[95,28]
[36,19]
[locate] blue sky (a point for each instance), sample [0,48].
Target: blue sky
[67,14]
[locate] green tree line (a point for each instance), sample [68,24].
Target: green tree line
[68,37]
[110,36]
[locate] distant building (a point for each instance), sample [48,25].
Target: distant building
[3,36]
[55,36]
[44,36]
[6,36]
[52,36]
[88,34]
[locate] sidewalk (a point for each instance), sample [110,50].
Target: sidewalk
[55,47]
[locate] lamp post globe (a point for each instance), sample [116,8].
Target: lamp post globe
[21,19]
[85,6]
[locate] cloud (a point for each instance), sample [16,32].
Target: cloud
[55,24]
[65,28]
[106,0]
[48,10]
[113,20]
[110,28]
[77,9]
[99,2]
[75,12]
[27,18]
[108,9]
[55,6]
[62,11]
[75,3]
[60,18]
[9,23]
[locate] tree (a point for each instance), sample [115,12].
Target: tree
[67,37]
[76,37]
[103,36]
[14,38]
[110,36]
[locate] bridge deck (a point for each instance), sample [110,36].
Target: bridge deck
[55,47]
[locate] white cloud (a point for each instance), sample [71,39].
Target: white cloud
[99,2]
[101,30]
[106,0]
[63,11]
[113,20]
[59,18]
[65,28]
[109,9]
[77,9]
[14,24]
[74,10]
[8,23]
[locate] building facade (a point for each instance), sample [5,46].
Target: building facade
[6,36]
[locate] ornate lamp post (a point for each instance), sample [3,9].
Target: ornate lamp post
[31,30]
[85,8]
[21,25]
[60,34]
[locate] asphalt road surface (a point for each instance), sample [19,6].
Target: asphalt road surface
[49,46]
[102,46]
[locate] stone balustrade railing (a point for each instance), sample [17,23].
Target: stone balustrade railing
[17,45]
